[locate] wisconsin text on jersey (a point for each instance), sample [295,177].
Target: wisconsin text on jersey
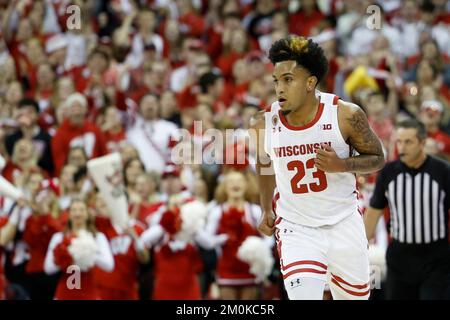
[300,149]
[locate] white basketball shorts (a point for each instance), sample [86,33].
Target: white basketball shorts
[336,254]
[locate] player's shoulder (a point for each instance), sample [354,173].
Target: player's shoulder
[352,118]
[349,108]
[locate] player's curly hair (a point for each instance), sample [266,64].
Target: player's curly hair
[305,52]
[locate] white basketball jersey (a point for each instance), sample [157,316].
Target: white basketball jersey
[305,194]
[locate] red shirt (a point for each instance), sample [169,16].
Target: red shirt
[176,274]
[302,24]
[226,61]
[124,277]
[81,77]
[146,211]
[39,229]
[443,141]
[194,24]
[89,136]
[112,139]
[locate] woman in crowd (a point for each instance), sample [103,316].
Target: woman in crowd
[235,217]
[128,252]
[76,252]
[39,229]
[132,169]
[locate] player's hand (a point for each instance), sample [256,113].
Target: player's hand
[267,224]
[327,160]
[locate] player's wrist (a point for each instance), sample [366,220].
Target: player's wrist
[344,165]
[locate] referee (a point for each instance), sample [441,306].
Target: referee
[416,188]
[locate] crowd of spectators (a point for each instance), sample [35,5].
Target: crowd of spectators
[81,79]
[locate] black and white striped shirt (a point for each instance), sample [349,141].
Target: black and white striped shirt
[419,200]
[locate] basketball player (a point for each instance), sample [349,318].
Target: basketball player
[305,150]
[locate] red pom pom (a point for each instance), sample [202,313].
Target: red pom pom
[61,253]
[171,221]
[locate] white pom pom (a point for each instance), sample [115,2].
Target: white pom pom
[257,254]
[193,215]
[83,250]
[377,260]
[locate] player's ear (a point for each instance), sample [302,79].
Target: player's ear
[311,83]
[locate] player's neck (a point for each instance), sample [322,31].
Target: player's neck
[304,114]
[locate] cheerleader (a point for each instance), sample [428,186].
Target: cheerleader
[76,252]
[128,252]
[39,229]
[237,219]
[176,257]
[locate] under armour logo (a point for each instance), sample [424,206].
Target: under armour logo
[295,283]
[275,129]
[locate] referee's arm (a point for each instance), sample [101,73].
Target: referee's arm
[377,203]
[371,218]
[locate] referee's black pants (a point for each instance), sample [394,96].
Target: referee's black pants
[418,271]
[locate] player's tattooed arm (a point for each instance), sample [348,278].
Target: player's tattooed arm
[359,134]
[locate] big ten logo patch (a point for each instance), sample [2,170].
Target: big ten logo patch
[120,245]
[275,121]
